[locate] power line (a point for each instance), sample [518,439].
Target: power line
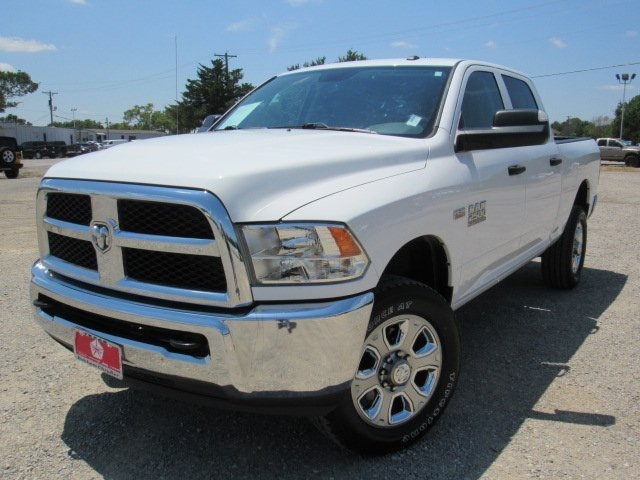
[584,70]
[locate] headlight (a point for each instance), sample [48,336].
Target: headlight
[303,253]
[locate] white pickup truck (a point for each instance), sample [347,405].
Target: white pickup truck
[306,255]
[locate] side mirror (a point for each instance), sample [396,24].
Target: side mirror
[207,122]
[511,128]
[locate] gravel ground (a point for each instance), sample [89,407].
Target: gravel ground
[550,386]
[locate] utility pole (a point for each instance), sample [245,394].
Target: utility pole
[226,63]
[50,93]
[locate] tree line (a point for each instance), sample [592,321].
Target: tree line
[215,89]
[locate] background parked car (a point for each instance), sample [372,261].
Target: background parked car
[39,149]
[10,157]
[76,149]
[619,150]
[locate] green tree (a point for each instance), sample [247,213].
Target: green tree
[212,92]
[14,119]
[573,127]
[86,124]
[14,84]
[312,63]
[145,117]
[631,127]
[352,56]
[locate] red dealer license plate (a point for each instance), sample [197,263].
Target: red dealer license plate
[98,352]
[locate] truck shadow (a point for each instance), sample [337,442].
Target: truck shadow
[517,339]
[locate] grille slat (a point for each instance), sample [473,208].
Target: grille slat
[72,250]
[178,270]
[69,207]
[156,218]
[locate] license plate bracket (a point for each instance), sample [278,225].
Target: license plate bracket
[100,353]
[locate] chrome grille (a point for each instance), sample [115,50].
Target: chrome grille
[69,208]
[72,250]
[167,243]
[155,218]
[178,270]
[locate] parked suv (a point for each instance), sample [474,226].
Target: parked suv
[39,149]
[10,157]
[619,150]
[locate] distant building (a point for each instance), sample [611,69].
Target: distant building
[29,133]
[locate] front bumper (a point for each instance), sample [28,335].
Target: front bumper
[291,352]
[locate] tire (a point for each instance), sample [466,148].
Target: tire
[563,261]
[407,373]
[7,156]
[13,173]
[632,161]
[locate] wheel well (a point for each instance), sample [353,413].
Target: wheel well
[423,260]
[582,197]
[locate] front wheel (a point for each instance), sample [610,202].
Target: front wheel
[408,368]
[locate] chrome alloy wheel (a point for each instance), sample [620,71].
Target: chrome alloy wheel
[578,245]
[398,371]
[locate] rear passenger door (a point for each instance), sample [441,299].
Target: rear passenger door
[543,174]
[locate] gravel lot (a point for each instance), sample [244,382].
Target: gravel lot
[550,386]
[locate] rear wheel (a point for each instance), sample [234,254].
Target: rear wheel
[13,173]
[563,261]
[407,372]
[632,161]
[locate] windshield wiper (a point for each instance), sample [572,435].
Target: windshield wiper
[324,126]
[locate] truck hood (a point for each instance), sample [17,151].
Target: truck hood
[259,175]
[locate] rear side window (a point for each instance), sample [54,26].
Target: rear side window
[481,101]
[520,93]
[602,143]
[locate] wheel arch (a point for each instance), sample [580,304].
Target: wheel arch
[582,197]
[426,260]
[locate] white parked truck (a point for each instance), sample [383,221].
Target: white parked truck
[307,255]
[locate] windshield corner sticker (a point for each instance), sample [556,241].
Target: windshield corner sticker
[477,213]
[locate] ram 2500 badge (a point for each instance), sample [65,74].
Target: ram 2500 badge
[306,256]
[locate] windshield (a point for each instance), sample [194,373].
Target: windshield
[401,101]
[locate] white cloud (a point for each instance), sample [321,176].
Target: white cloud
[558,42]
[79,2]
[15,44]
[490,44]
[241,26]
[403,44]
[276,36]
[5,67]
[631,34]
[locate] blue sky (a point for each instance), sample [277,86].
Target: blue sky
[105,56]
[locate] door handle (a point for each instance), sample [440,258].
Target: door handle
[555,161]
[516,169]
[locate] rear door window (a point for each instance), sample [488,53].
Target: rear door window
[520,93]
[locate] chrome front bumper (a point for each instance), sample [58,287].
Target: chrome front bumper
[295,348]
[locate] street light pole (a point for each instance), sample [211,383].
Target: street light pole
[623,78]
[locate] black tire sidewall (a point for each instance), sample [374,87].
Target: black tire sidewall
[577,217]
[401,299]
